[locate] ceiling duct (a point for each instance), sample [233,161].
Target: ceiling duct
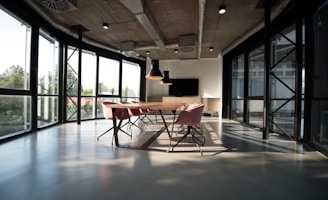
[142,13]
[59,6]
[128,49]
[186,43]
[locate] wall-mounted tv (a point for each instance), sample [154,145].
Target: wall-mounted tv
[184,87]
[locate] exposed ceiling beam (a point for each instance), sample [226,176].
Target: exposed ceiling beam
[201,25]
[142,13]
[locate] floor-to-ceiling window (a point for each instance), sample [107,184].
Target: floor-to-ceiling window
[283,73]
[237,96]
[15,94]
[88,82]
[256,86]
[319,119]
[130,81]
[72,75]
[108,82]
[48,67]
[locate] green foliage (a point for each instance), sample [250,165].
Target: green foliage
[13,77]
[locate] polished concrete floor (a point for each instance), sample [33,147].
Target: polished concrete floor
[67,162]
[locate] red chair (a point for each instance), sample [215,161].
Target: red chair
[191,117]
[108,114]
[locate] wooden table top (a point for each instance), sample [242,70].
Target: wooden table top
[149,105]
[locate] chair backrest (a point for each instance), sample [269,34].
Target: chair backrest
[132,111]
[191,115]
[107,111]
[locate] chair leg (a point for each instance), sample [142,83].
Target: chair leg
[196,140]
[113,137]
[104,133]
[182,138]
[202,142]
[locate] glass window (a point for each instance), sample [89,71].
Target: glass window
[15,115]
[48,65]
[238,71]
[15,43]
[256,75]
[15,36]
[72,83]
[47,80]
[130,81]
[109,74]
[255,112]
[89,69]
[320,73]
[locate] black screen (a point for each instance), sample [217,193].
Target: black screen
[184,87]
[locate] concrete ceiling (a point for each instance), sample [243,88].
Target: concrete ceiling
[158,26]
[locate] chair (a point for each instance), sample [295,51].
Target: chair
[133,112]
[191,117]
[144,112]
[108,114]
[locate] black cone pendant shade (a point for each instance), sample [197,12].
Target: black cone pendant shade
[166,80]
[155,73]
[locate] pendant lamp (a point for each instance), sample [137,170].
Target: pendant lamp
[154,73]
[166,80]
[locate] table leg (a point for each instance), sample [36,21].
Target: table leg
[167,129]
[115,127]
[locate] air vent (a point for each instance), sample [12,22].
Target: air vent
[128,49]
[186,43]
[59,6]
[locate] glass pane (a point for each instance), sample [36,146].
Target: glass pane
[109,74]
[71,108]
[48,66]
[130,80]
[72,84]
[47,110]
[15,39]
[15,115]
[99,107]
[238,71]
[321,52]
[283,83]
[87,107]
[255,110]
[89,66]
[256,72]
[284,117]
[320,123]
[237,110]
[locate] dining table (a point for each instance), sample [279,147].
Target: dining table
[153,106]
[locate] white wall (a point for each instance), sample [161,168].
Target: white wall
[208,71]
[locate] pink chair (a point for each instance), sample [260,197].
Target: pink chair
[132,113]
[144,113]
[191,117]
[108,114]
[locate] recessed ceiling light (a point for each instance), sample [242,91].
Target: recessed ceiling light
[105,26]
[211,48]
[222,9]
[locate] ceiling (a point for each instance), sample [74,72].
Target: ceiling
[158,26]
